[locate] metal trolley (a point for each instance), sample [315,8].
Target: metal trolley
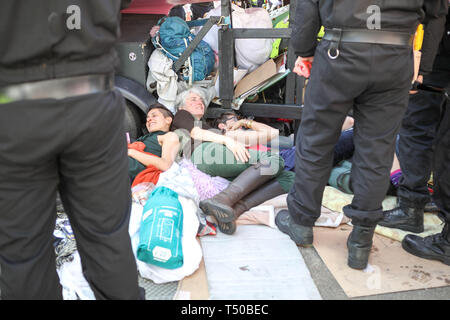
[135,48]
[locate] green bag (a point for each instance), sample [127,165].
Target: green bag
[340,177]
[161,229]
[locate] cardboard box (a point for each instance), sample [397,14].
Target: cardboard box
[264,73]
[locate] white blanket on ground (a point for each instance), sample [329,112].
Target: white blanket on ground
[179,180]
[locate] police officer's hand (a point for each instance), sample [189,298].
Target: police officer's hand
[303,66]
[419,80]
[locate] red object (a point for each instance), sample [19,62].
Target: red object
[155,6]
[259,147]
[305,67]
[151,174]
[137,145]
[148,7]
[285,120]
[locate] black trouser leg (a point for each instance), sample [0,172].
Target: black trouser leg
[417,137]
[442,166]
[79,142]
[29,139]
[324,112]
[377,121]
[415,147]
[96,195]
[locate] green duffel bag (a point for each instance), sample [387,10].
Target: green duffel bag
[161,230]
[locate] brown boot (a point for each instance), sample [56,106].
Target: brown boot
[266,192]
[221,205]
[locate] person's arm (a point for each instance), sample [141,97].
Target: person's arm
[260,133]
[184,120]
[238,149]
[170,145]
[305,28]
[348,123]
[434,27]
[304,35]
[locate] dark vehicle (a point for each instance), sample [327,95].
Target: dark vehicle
[135,48]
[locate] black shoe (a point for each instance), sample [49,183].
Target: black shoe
[434,247]
[431,207]
[359,244]
[404,217]
[301,235]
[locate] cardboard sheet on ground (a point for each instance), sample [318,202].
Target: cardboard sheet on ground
[256,262]
[391,269]
[195,286]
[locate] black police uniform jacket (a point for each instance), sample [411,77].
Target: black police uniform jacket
[48,39]
[396,15]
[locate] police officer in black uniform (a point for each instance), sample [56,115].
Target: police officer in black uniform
[62,128]
[417,134]
[424,145]
[364,62]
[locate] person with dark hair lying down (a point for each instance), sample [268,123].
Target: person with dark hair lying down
[158,148]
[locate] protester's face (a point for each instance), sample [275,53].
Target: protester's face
[230,120]
[194,105]
[157,122]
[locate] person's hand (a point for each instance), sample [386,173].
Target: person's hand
[303,66]
[154,30]
[419,80]
[237,125]
[132,152]
[238,149]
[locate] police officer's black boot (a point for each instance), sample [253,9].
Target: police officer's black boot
[434,247]
[301,235]
[405,217]
[359,244]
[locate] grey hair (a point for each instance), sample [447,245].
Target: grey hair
[182,96]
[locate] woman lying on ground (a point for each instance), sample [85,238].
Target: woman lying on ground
[221,155]
[158,148]
[257,135]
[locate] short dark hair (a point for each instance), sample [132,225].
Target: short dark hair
[223,118]
[166,112]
